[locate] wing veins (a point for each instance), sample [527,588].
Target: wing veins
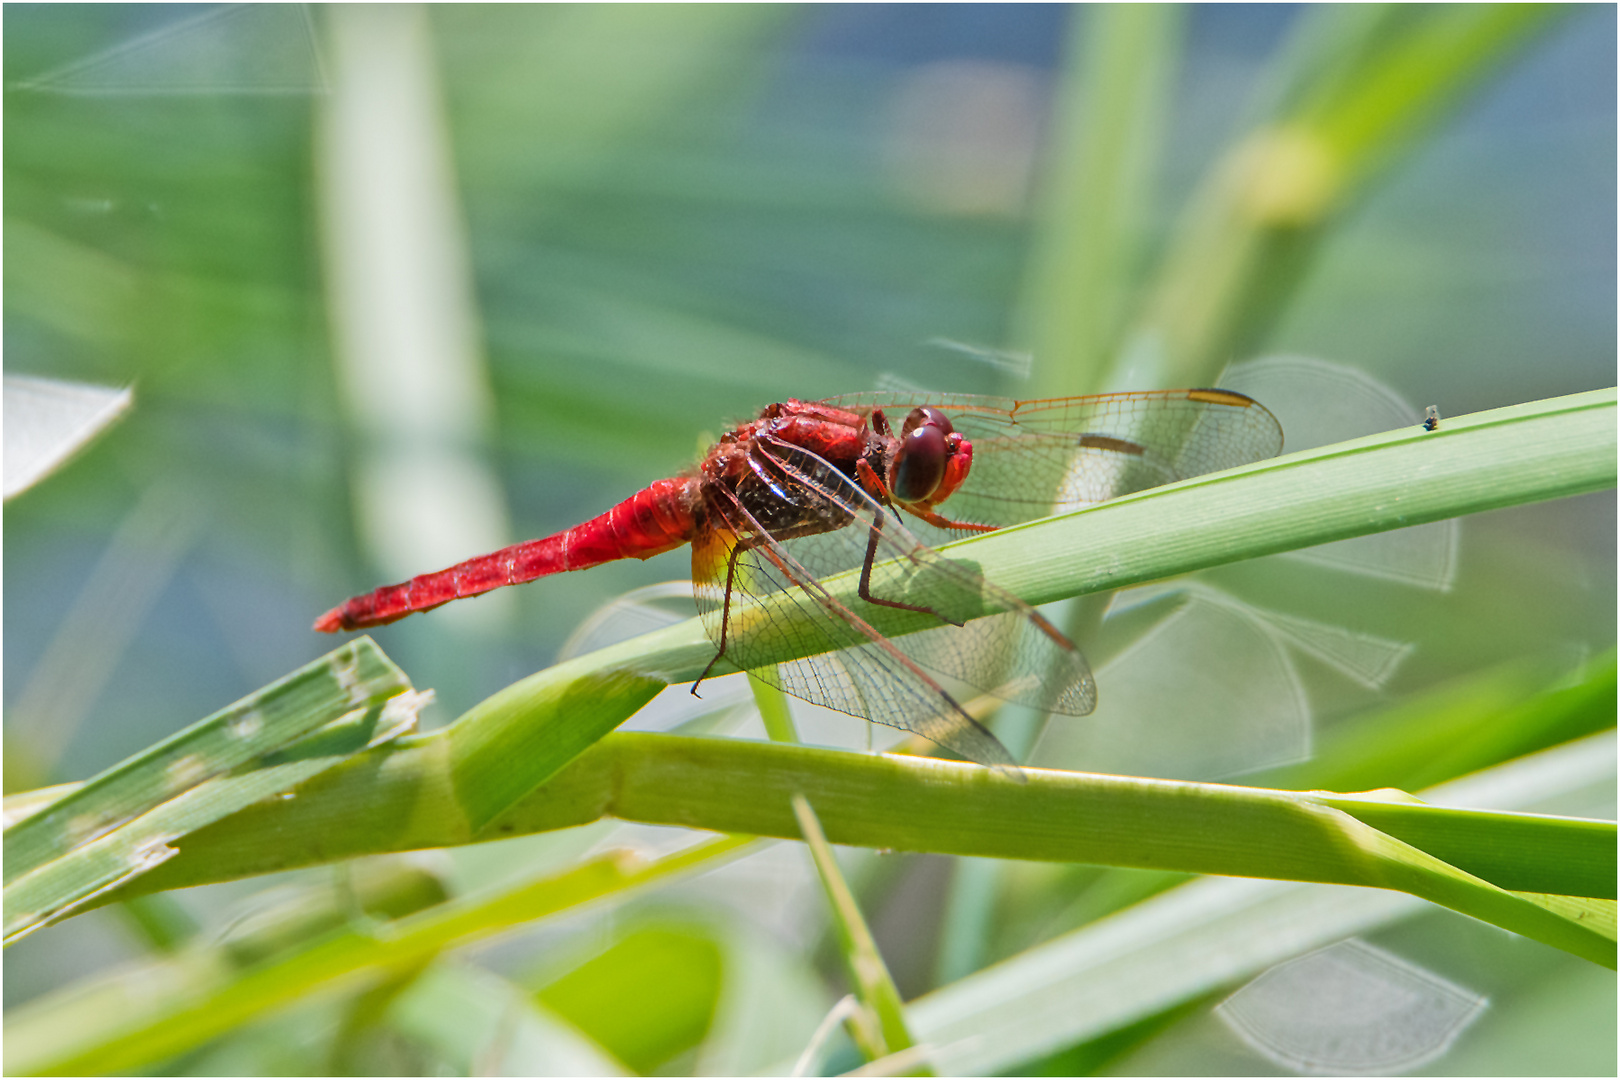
[985,748]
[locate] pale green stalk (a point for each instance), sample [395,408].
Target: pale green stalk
[1097,191]
[878,1024]
[1251,230]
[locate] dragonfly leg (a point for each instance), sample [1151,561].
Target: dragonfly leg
[879,490]
[725,616]
[939,521]
[866,579]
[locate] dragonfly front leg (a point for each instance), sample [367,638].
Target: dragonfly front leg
[875,487]
[939,521]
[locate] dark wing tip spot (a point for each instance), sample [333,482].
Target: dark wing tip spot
[1108,442]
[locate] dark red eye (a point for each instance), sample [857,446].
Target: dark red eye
[920,464]
[926,414]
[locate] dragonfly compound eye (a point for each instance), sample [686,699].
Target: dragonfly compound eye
[920,464]
[926,414]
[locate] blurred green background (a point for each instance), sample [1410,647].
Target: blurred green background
[394,287]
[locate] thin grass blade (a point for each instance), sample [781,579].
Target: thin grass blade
[878,1025]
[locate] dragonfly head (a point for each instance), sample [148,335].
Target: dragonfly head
[931,461]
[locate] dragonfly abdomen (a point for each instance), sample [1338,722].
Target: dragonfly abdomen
[656,519]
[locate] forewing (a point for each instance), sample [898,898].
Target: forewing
[855,672]
[1017,657]
[776,607]
[1034,458]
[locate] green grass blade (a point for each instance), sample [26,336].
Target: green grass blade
[24,804]
[1181,945]
[1457,727]
[509,744]
[1367,860]
[1485,461]
[123,822]
[1499,847]
[909,804]
[353,676]
[1598,915]
[1406,86]
[1096,193]
[965,926]
[62,886]
[773,710]
[878,1025]
[1405,868]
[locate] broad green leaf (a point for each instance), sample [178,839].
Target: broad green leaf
[649,996]
[483,1025]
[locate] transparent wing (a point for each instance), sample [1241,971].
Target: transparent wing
[1010,656]
[1034,458]
[859,672]
[762,596]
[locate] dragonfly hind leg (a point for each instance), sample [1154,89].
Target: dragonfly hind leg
[725,617]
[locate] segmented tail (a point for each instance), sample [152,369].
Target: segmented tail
[654,520]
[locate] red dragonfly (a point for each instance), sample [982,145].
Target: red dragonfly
[813,489]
